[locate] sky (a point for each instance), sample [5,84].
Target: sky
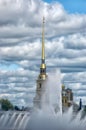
[72,6]
[20,46]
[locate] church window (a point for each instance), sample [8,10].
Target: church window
[40,85]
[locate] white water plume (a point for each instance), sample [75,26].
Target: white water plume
[51,99]
[50,116]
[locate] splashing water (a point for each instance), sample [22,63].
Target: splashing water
[49,116]
[52,96]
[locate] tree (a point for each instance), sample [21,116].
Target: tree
[6,104]
[16,108]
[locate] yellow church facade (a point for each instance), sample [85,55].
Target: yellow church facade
[67,97]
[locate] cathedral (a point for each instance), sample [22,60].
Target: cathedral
[42,76]
[67,94]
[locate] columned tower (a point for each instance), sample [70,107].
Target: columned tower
[42,76]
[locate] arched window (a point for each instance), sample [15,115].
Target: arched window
[40,85]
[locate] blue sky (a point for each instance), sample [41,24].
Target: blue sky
[72,6]
[9,67]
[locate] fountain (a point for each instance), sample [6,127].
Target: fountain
[50,115]
[47,112]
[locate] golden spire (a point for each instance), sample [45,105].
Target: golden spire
[43,66]
[43,47]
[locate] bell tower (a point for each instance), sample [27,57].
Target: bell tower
[42,76]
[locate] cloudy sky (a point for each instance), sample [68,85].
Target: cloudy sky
[20,46]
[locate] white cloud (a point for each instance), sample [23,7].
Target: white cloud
[20,44]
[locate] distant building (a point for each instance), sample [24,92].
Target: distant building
[67,98]
[80,104]
[0,106]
